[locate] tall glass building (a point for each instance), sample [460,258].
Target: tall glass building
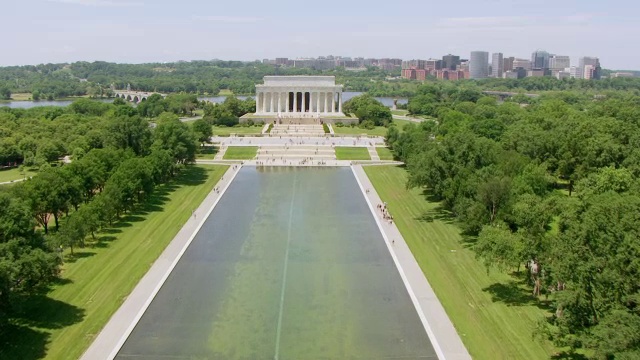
[479,65]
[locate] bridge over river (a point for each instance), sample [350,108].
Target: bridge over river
[135,96]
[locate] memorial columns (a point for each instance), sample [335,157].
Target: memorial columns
[286,109]
[326,102]
[258,93]
[264,102]
[317,101]
[271,93]
[339,102]
[304,101]
[333,102]
[295,101]
[279,101]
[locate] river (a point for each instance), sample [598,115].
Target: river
[387,101]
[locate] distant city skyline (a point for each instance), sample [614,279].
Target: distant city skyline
[140,31]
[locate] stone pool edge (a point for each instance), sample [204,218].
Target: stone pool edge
[114,334]
[443,335]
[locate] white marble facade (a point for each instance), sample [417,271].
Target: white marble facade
[299,95]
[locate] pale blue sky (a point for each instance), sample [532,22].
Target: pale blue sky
[134,31]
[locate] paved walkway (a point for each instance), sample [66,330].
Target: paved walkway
[446,341]
[373,153]
[318,141]
[14,181]
[113,335]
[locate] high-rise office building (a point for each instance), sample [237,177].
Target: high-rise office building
[433,64]
[559,62]
[540,59]
[479,65]
[497,65]
[521,63]
[450,61]
[588,60]
[507,63]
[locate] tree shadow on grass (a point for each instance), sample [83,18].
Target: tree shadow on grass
[19,339]
[69,258]
[516,293]
[569,355]
[21,342]
[46,313]
[192,176]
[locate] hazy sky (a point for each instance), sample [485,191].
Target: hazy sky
[134,31]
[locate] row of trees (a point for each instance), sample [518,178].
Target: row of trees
[49,81]
[124,161]
[552,186]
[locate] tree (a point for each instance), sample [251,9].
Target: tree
[367,108]
[499,247]
[174,136]
[202,130]
[5,93]
[126,132]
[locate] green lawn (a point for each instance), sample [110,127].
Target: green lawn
[352,153]
[225,92]
[348,130]
[243,130]
[62,324]
[207,152]
[14,174]
[384,153]
[240,153]
[493,313]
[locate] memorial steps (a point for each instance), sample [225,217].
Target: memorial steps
[297,130]
[296,152]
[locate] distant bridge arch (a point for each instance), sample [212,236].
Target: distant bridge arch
[135,96]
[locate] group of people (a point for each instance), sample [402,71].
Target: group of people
[384,212]
[284,161]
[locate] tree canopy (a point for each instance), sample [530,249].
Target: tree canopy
[551,185]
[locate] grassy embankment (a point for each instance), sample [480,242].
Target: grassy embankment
[240,152]
[14,174]
[99,277]
[493,312]
[352,153]
[207,152]
[384,153]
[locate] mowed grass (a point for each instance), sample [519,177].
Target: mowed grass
[207,152]
[493,312]
[348,130]
[15,174]
[240,153]
[384,153]
[352,153]
[240,130]
[95,283]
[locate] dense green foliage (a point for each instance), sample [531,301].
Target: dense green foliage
[193,77]
[49,81]
[500,170]
[228,112]
[118,159]
[368,110]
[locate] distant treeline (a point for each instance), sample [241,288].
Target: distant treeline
[52,81]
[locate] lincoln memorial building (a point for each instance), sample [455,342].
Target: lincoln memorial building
[299,94]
